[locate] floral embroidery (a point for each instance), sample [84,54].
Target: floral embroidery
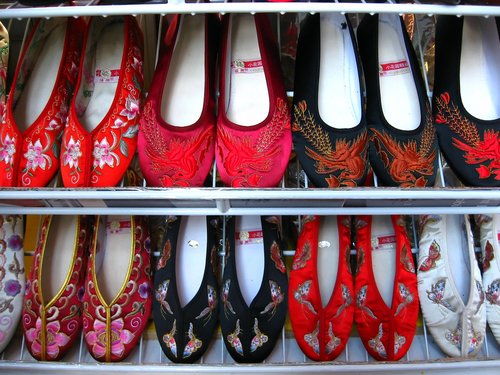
[131,109]
[407,162]
[103,154]
[12,287]
[276,257]
[399,341]
[346,300]
[361,300]
[493,292]
[8,150]
[276,296]
[35,156]
[193,344]
[118,337]
[212,304]
[482,152]
[72,153]
[429,262]
[244,159]
[454,337]
[169,339]
[259,339]
[161,296]
[234,340]
[406,260]
[476,339]
[302,293]
[436,295]
[225,298]
[144,289]
[377,344]
[301,260]
[334,341]
[345,163]
[312,339]
[53,338]
[489,255]
[406,296]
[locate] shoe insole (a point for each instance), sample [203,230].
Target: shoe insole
[40,83]
[58,254]
[457,249]
[398,93]
[384,256]
[184,88]
[247,97]
[249,252]
[115,250]
[479,72]
[104,66]
[190,257]
[328,257]
[339,91]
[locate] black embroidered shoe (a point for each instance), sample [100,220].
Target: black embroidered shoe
[253,297]
[185,303]
[466,101]
[403,144]
[329,125]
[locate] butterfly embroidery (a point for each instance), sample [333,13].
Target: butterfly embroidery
[454,337]
[212,304]
[161,295]
[169,340]
[225,295]
[259,339]
[276,296]
[493,292]
[165,256]
[406,260]
[399,341]
[429,262]
[360,302]
[302,293]
[276,257]
[436,294]
[406,296]
[304,256]
[334,341]
[479,289]
[213,259]
[193,344]
[376,342]
[346,298]
[234,340]
[312,339]
[360,259]
[488,255]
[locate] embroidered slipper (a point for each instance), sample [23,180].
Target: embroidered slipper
[37,106]
[254,140]
[329,126]
[117,301]
[12,276]
[177,132]
[466,97]
[385,286]
[450,286]
[185,307]
[403,143]
[254,288]
[321,287]
[54,291]
[100,139]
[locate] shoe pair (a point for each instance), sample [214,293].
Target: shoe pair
[382,299]
[178,136]
[106,290]
[332,133]
[92,140]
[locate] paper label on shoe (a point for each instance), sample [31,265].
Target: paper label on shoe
[118,226]
[392,68]
[247,66]
[106,75]
[384,242]
[249,237]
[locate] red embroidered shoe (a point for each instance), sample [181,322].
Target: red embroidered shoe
[253,126]
[320,303]
[4,62]
[54,291]
[37,107]
[385,286]
[117,301]
[101,136]
[177,132]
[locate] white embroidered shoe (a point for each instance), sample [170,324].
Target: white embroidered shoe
[449,285]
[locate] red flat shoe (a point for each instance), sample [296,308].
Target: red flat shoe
[385,287]
[177,131]
[37,107]
[254,139]
[52,304]
[100,139]
[322,318]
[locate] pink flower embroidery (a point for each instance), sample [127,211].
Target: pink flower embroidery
[131,109]
[54,339]
[103,154]
[3,109]
[35,156]
[119,123]
[72,153]
[119,337]
[7,150]
[137,65]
